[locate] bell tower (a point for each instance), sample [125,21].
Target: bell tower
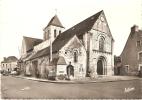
[53,29]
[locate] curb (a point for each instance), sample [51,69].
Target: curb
[75,82]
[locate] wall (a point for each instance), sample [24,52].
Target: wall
[99,29]
[52,28]
[41,46]
[130,53]
[68,53]
[9,66]
[61,69]
[43,66]
[46,43]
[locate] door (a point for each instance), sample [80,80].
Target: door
[70,70]
[100,67]
[35,69]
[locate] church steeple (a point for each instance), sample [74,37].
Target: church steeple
[53,29]
[55,22]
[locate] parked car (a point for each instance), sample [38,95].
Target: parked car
[13,73]
[5,73]
[1,71]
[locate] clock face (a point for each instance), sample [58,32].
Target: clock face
[102,19]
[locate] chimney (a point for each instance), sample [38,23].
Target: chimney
[134,29]
[4,58]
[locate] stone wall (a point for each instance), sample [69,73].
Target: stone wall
[61,69]
[51,29]
[67,52]
[107,53]
[42,45]
[42,68]
[131,51]
[108,57]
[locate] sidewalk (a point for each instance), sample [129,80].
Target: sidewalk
[83,81]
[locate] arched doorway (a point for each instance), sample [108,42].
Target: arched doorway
[70,70]
[101,66]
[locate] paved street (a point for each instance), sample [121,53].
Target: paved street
[22,88]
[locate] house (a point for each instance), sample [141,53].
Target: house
[85,48]
[131,56]
[9,64]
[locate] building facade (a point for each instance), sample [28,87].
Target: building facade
[9,64]
[131,56]
[84,49]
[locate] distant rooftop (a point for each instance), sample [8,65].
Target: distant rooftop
[9,59]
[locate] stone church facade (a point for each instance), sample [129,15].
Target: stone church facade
[84,49]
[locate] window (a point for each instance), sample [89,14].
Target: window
[75,56]
[65,52]
[60,32]
[101,44]
[140,56]
[55,33]
[48,36]
[126,68]
[138,43]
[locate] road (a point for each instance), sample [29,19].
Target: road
[14,88]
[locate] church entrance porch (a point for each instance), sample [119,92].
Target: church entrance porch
[101,66]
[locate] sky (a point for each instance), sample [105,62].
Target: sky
[20,18]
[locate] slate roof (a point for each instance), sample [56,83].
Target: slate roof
[79,29]
[9,59]
[55,22]
[31,42]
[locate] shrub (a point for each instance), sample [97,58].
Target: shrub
[61,77]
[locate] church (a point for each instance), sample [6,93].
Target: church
[80,51]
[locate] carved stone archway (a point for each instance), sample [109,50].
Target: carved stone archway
[101,66]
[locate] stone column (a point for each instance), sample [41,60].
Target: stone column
[95,67]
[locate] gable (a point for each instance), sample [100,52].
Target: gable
[132,43]
[73,43]
[61,61]
[101,25]
[79,29]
